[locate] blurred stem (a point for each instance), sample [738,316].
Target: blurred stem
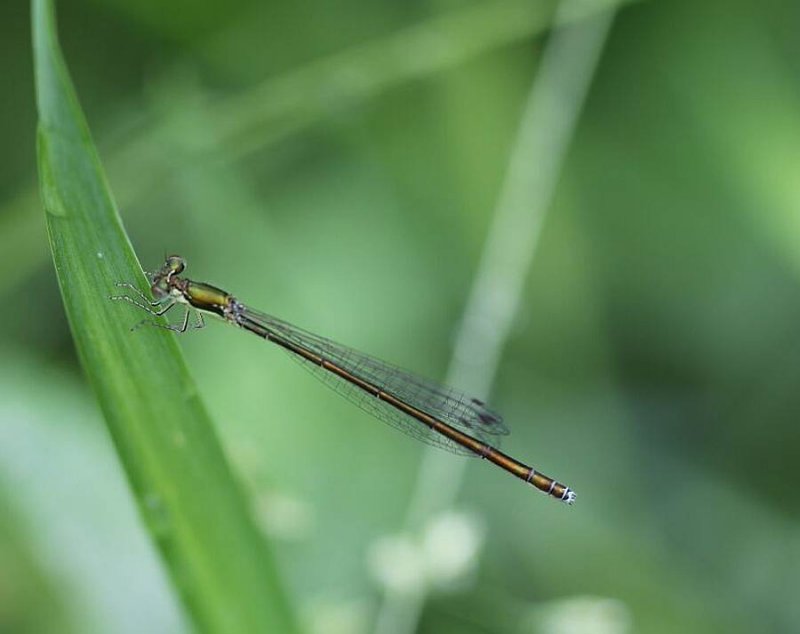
[294,100]
[546,129]
[286,104]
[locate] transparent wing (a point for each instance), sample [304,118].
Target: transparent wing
[459,410]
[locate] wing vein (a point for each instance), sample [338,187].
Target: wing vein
[455,408]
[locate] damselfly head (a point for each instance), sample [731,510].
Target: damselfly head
[174,265]
[161,280]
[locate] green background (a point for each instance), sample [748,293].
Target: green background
[652,365]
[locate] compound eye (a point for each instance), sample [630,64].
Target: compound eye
[175,264]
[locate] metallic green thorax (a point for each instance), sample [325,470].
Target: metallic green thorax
[206,297]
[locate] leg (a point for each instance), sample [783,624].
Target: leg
[173,327]
[137,291]
[148,307]
[200,322]
[155,313]
[185,324]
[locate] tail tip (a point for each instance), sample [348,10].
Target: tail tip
[569,496]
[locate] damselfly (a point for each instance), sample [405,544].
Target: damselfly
[432,413]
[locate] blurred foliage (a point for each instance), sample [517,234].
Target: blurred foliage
[295,160]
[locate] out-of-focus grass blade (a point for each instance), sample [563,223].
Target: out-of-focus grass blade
[29,602]
[183,485]
[279,106]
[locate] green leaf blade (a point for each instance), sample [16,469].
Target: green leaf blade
[184,487]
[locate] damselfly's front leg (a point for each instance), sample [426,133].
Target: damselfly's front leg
[136,290]
[145,303]
[183,327]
